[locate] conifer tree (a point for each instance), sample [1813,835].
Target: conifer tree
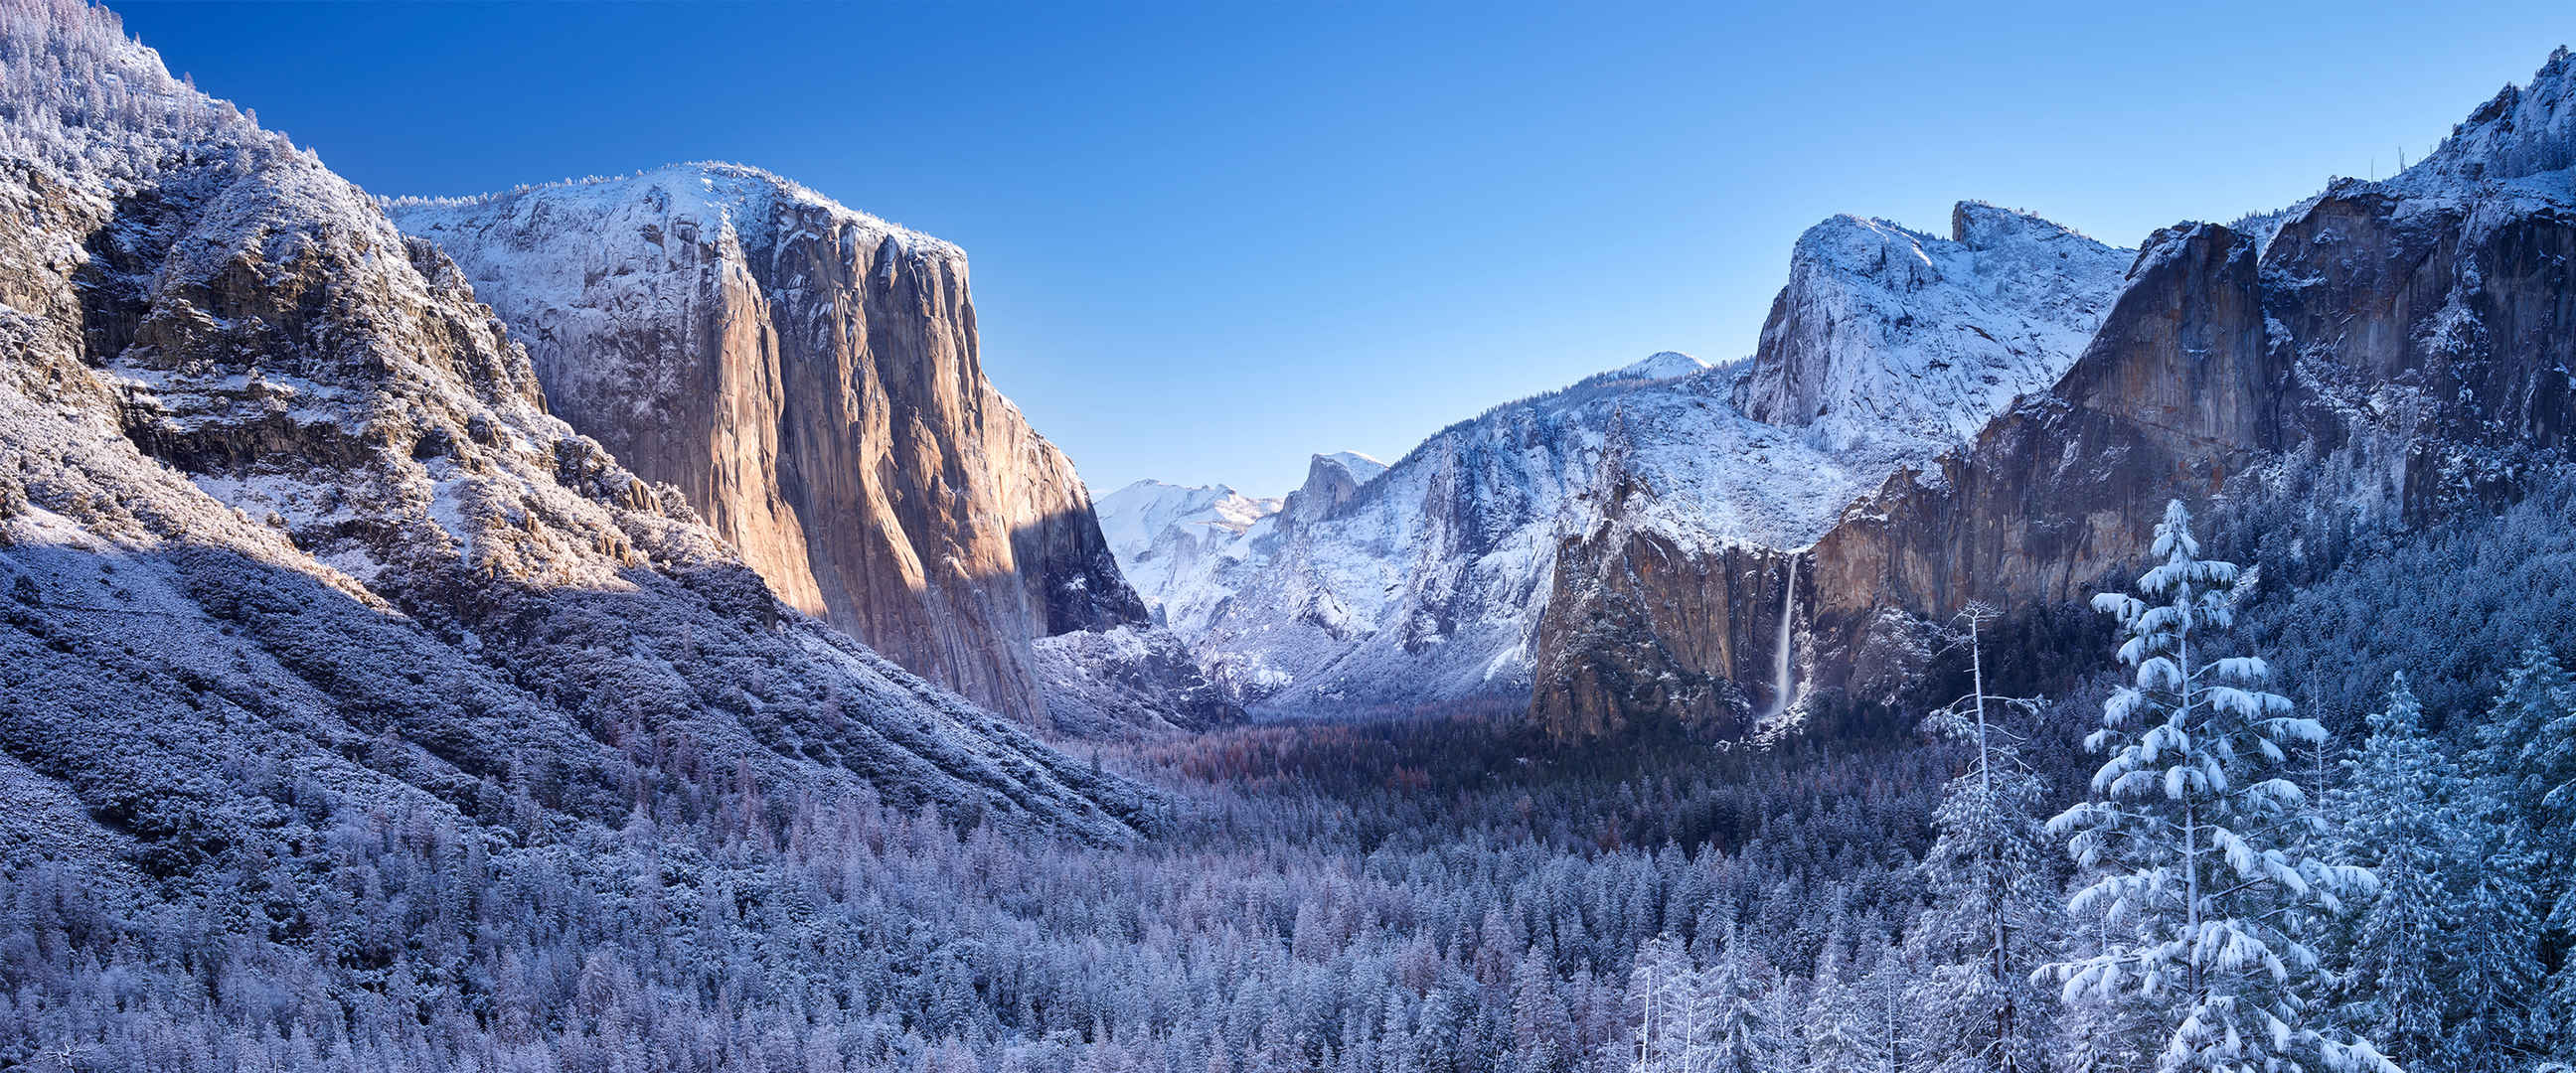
[1992,899]
[2204,856]
[2442,964]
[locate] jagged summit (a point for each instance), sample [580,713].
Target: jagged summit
[1891,336]
[2523,130]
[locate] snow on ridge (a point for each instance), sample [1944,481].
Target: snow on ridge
[2524,130]
[1362,468]
[1661,365]
[1428,581]
[1133,517]
[1891,336]
[738,194]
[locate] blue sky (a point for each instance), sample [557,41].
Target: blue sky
[1209,240]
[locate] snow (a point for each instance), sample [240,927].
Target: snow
[597,262]
[1427,579]
[1662,365]
[304,556]
[2524,130]
[1890,338]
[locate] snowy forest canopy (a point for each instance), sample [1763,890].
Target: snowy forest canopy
[2384,873]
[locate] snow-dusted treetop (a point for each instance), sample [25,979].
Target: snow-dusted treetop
[2523,130]
[1661,365]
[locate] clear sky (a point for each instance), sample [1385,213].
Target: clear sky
[1209,240]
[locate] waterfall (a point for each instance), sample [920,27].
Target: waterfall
[1780,681]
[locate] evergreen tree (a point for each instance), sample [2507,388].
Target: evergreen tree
[2205,861]
[1741,1036]
[2527,765]
[2442,965]
[1992,899]
[1837,1028]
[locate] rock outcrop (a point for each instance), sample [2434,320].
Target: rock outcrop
[2380,354]
[808,377]
[1541,549]
[281,507]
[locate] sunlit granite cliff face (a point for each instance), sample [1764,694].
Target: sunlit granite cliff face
[807,375]
[284,518]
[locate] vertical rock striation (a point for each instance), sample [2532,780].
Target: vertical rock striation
[808,377]
[281,504]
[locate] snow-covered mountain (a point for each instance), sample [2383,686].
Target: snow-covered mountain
[2383,354]
[288,536]
[1889,336]
[1183,546]
[808,375]
[1430,580]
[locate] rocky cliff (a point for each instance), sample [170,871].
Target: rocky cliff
[808,377]
[284,522]
[1449,575]
[2380,354]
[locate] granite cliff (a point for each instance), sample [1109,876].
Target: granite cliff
[808,377]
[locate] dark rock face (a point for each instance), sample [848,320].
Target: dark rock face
[808,377]
[2389,353]
[1640,629]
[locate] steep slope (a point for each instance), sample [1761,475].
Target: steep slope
[287,534]
[2381,354]
[1448,575]
[808,377]
[1182,546]
[1886,335]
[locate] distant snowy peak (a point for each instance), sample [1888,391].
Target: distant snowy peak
[1362,468]
[1134,518]
[1331,480]
[2524,130]
[1663,365]
[1887,335]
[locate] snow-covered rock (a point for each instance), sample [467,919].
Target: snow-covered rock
[808,376]
[2524,130]
[1182,546]
[1429,580]
[281,505]
[2382,354]
[1889,336]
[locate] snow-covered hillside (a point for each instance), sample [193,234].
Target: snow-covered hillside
[1182,547]
[277,486]
[1891,337]
[1428,580]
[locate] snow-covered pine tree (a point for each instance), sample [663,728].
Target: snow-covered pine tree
[2440,968]
[1739,1033]
[1837,1027]
[1659,991]
[2527,763]
[2204,855]
[1993,899]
